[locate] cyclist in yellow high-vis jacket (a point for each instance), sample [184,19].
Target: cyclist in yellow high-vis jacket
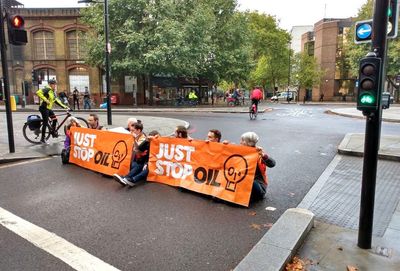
[48,98]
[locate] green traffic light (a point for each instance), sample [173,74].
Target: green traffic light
[389,13]
[367,99]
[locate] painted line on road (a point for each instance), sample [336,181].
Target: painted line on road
[72,255]
[25,162]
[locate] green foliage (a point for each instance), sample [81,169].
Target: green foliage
[357,51]
[306,71]
[204,38]
[271,51]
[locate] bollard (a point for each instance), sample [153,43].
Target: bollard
[13,104]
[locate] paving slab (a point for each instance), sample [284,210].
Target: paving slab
[353,144]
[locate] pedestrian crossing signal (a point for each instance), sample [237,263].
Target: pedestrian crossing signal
[16,30]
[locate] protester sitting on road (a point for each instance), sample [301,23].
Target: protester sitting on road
[137,131]
[67,143]
[181,132]
[260,182]
[130,124]
[93,121]
[214,135]
[139,169]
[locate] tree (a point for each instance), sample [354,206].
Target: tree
[271,51]
[306,70]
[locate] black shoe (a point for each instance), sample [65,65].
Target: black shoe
[43,142]
[55,134]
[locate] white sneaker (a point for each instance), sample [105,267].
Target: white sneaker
[128,182]
[119,179]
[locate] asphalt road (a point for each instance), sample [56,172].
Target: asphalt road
[157,227]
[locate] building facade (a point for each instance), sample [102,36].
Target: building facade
[326,43]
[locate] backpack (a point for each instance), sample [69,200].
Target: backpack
[34,122]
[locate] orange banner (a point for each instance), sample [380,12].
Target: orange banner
[102,151]
[223,171]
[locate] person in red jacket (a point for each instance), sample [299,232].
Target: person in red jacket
[256,96]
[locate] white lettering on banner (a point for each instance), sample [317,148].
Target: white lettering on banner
[83,153]
[174,169]
[86,140]
[177,150]
[83,144]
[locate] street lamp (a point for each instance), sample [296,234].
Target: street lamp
[107,55]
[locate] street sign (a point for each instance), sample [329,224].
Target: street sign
[364,28]
[363,31]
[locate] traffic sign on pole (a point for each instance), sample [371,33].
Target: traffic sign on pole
[363,31]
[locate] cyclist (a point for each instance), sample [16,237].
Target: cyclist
[256,96]
[48,97]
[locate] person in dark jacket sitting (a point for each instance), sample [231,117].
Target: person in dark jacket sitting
[139,169]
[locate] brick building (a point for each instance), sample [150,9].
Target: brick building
[326,44]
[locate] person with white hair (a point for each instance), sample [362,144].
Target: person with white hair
[260,182]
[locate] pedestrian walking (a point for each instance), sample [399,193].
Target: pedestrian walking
[75,97]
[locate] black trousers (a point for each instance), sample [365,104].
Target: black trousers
[46,114]
[77,103]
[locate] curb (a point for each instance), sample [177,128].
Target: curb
[358,151]
[277,247]
[333,112]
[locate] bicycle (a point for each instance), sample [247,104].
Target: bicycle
[32,129]
[253,111]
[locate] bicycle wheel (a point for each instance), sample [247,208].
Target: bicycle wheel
[252,114]
[34,136]
[82,121]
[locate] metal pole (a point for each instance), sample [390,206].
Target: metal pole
[108,47]
[288,98]
[6,83]
[372,132]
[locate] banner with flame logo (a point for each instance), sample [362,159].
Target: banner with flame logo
[216,169]
[102,151]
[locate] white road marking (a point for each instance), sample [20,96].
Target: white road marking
[25,162]
[60,248]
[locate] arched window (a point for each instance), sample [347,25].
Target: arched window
[44,45]
[75,44]
[79,78]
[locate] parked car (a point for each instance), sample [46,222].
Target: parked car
[282,96]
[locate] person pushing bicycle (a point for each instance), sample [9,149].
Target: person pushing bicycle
[48,97]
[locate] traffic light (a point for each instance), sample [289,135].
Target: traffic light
[16,30]
[369,84]
[34,76]
[392,19]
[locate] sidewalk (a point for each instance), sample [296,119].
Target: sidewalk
[390,115]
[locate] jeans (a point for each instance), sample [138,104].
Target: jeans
[86,104]
[137,172]
[258,191]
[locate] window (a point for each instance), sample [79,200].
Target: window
[79,78]
[44,45]
[75,44]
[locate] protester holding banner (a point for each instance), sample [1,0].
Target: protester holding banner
[181,132]
[93,121]
[260,182]
[214,135]
[139,169]
[67,143]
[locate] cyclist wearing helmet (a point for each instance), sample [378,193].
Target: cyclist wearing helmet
[48,97]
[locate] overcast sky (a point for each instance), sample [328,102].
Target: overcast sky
[288,12]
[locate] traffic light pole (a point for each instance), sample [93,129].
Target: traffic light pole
[372,131]
[6,83]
